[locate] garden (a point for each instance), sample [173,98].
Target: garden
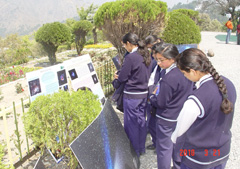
[59,115]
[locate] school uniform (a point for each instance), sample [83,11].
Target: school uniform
[135,75]
[207,127]
[150,110]
[174,90]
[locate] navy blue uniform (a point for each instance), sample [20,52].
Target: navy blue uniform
[135,74]
[209,136]
[174,90]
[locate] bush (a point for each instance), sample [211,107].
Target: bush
[64,115]
[194,15]
[52,35]
[181,29]
[142,17]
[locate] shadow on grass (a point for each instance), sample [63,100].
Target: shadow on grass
[45,64]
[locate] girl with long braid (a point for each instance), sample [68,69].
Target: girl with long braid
[207,114]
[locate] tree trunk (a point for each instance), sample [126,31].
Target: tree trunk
[94,31]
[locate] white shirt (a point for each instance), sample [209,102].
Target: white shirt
[188,114]
[134,49]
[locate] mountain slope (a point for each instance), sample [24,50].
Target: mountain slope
[25,16]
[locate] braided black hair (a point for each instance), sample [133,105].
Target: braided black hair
[195,59]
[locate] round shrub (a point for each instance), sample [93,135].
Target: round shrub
[62,115]
[181,29]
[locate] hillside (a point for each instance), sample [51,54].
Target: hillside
[25,16]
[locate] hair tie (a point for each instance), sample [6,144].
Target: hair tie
[225,96]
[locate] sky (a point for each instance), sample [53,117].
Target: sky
[170,3]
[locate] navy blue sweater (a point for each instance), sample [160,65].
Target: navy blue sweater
[135,74]
[174,90]
[210,135]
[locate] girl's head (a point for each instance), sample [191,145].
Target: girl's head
[131,41]
[194,64]
[152,40]
[165,54]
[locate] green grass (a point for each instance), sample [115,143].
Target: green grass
[233,38]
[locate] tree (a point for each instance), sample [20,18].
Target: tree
[88,14]
[181,29]
[80,30]
[143,17]
[208,24]
[51,35]
[14,50]
[224,7]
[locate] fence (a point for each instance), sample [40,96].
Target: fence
[16,141]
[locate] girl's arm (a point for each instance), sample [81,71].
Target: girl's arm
[125,70]
[186,118]
[165,94]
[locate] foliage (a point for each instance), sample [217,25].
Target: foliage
[19,88]
[37,50]
[99,46]
[14,73]
[80,30]
[223,7]
[87,14]
[51,35]
[2,153]
[64,115]
[142,17]
[191,5]
[208,24]
[181,29]
[194,15]
[14,50]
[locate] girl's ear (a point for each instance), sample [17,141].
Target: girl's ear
[193,72]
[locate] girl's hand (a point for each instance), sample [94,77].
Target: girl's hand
[115,75]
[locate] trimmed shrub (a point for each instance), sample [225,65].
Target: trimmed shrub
[181,29]
[142,17]
[62,115]
[194,15]
[80,30]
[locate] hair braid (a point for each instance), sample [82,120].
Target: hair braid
[226,106]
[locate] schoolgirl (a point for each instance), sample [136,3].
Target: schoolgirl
[135,73]
[207,114]
[173,89]
[154,78]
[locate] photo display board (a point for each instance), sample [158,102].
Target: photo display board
[104,144]
[77,73]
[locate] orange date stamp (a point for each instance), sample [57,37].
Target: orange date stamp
[191,152]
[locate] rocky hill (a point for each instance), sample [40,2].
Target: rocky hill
[25,16]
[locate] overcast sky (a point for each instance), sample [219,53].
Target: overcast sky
[170,3]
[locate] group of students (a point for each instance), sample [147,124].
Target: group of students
[180,99]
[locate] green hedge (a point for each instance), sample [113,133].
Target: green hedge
[181,29]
